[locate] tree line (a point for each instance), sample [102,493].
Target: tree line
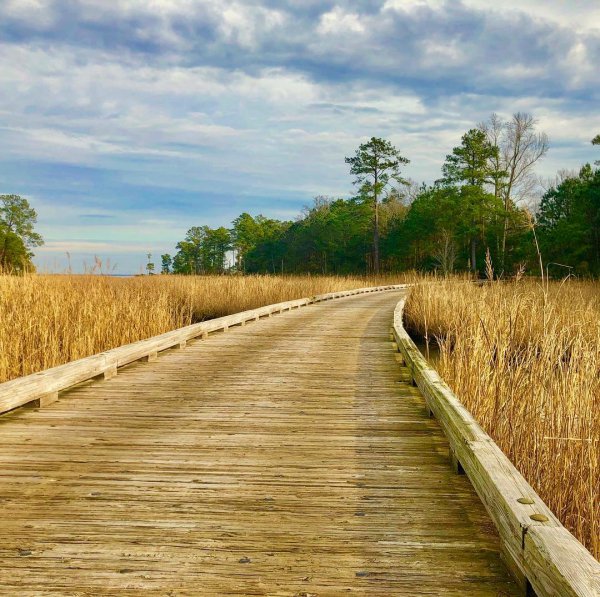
[477,216]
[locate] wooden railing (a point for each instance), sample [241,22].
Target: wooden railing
[41,389]
[543,556]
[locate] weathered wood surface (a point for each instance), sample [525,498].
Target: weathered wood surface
[287,457]
[35,387]
[542,554]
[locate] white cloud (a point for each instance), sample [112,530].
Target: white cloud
[246,25]
[581,67]
[36,13]
[576,14]
[338,22]
[449,53]
[408,5]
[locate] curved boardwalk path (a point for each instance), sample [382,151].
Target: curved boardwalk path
[286,457]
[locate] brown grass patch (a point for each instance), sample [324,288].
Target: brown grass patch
[525,360]
[50,320]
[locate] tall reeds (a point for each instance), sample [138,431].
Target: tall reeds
[524,358]
[50,320]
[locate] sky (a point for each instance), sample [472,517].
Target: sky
[125,122]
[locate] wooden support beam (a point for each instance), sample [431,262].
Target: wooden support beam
[45,400]
[110,372]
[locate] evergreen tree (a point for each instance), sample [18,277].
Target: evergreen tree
[569,222]
[166,263]
[376,164]
[469,165]
[188,259]
[245,235]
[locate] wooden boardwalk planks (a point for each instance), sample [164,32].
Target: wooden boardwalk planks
[286,457]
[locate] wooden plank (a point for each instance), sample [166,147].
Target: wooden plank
[542,554]
[285,458]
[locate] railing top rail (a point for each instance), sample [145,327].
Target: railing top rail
[542,554]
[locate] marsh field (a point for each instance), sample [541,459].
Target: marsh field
[48,320]
[523,356]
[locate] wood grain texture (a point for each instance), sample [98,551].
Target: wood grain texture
[287,457]
[542,555]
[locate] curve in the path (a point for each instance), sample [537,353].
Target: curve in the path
[286,457]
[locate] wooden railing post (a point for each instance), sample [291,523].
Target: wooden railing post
[110,372]
[45,400]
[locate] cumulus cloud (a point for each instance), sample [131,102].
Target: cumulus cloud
[415,41]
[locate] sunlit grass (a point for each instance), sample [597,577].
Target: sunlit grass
[525,360]
[50,320]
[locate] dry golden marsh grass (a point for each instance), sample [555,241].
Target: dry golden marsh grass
[50,320]
[525,360]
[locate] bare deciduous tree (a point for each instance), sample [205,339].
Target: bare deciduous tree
[445,253]
[520,147]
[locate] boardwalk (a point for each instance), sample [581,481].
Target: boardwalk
[286,457]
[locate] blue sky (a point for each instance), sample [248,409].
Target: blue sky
[126,122]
